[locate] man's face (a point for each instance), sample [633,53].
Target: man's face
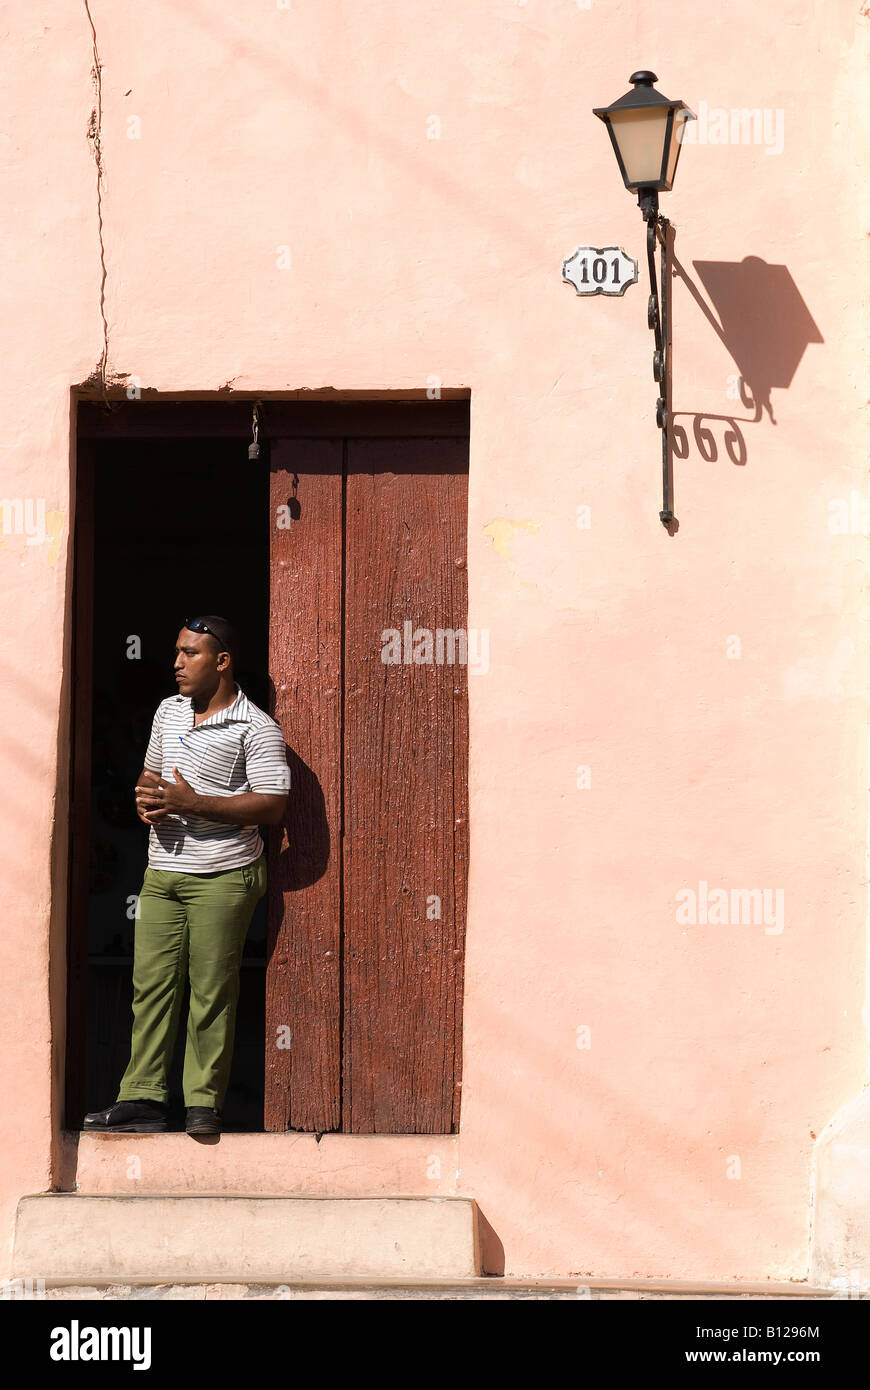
[198,666]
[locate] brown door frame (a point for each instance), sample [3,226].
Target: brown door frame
[81,716]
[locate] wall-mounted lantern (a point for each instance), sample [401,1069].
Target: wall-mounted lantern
[646,130]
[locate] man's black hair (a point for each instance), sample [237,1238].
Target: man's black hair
[227,639]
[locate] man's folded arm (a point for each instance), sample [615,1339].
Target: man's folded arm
[248,808]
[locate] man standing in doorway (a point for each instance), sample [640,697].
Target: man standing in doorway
[215,769]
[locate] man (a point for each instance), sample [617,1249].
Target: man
[215,769]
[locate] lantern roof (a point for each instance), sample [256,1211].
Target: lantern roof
[643,93]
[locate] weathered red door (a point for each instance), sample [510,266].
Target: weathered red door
[368,878]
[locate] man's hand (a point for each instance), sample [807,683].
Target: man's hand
[146,807]
[158,798]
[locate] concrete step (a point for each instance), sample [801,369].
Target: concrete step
[488,1287]
[198,1240]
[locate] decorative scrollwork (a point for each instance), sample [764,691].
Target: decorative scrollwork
[705,440]
[735,445]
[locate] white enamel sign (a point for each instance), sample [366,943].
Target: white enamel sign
[600,270]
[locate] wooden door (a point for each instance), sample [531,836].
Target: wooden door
[368,876]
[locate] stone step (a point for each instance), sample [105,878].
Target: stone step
[198,1240]
[487,1287]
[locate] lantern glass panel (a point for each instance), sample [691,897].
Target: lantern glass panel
[640,135]
[680,119]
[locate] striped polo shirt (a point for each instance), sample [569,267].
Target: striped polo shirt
[239,749]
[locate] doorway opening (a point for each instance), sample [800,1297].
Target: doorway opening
[179,528]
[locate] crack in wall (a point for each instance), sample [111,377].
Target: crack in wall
[95,126]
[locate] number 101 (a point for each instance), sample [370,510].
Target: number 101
[599,270]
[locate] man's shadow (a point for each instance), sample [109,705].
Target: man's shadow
[302,852]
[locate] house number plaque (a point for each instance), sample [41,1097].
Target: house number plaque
[600,270]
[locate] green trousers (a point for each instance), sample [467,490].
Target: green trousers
[188,925]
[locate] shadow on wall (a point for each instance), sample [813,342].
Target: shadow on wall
[766,327]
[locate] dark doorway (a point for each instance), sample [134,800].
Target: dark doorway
[180,528]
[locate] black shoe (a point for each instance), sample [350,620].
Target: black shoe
[202,1120]
[130,1117]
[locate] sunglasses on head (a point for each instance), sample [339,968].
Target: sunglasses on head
[197,625]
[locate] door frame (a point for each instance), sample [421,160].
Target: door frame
[174,418]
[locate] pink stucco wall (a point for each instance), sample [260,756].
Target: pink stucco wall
[713,682]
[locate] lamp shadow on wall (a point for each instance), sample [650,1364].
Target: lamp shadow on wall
[765,326]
